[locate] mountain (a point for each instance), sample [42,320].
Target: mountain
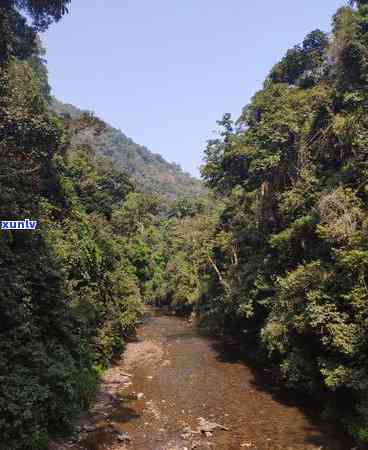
[151,171]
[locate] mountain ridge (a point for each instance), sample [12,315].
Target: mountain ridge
[150,170]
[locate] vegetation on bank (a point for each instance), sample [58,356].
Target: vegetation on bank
[73,289]
[285,261]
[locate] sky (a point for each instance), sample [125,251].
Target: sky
[164,71]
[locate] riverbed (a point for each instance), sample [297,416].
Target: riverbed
[177,389]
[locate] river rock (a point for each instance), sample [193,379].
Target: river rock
[89,428]
[205,426]
[123,437]
[125,374]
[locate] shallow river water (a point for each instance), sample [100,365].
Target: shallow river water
[176,376]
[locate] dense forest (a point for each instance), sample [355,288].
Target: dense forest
[73,289]
[282,262]
[274,253]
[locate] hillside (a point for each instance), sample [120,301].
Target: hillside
[150,170]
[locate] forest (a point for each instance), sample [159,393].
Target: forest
[272,250]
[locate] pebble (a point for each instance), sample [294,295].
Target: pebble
[123,437]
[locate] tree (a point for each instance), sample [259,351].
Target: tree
[43,12]
[17,38]
[290,245]
[301,63]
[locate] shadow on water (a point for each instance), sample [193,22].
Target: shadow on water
[124,414]
[98,440]
[322,433]
[105,436]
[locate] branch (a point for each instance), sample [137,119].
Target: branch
[221,279]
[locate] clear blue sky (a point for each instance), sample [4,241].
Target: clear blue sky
[164,71]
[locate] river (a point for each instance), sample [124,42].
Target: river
[171,376]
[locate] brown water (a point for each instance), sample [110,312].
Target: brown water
[185,376]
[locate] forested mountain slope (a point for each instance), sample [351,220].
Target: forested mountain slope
[152,172]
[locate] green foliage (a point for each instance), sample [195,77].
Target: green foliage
[181,249]
[17,38]
[42,12]
[291,243]
[303,65]
[72,290]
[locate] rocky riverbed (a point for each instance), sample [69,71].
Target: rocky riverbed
[174,389]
